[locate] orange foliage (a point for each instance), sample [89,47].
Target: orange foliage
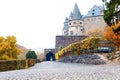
[95,32]
[111,36]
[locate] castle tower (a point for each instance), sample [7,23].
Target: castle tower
[65,28]
[78,24]
[75,23]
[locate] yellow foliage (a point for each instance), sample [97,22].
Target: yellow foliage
[8,48]
[4,57]
[77,47]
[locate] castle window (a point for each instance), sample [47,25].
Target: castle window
[94,18]
[88,19]
[74,22]
[80,22]
[99,18]
[91,19]
[69,23]
[93,13]
[71,33]
[81,29]
[93,10]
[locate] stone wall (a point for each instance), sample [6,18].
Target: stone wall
[47,51]
[63,41]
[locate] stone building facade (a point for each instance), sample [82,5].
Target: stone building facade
[78,24]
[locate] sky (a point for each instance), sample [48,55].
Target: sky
[36,23]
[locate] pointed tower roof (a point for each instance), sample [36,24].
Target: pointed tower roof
[71,14]
[65,23]
[66,19]
[76,12]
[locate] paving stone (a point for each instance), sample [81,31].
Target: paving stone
[64,71]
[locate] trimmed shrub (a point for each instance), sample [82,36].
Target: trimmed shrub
[6,65]
[31,55]
[30,62]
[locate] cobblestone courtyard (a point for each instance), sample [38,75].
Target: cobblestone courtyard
[64,71]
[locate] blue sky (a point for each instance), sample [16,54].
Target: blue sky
[35,23]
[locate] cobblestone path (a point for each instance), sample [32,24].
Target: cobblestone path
[64,71]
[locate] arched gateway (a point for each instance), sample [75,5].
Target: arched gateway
[49,54]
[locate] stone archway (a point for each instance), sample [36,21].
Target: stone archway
[50,56]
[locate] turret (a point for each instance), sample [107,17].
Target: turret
[76,13]
[71,15]
[66,23]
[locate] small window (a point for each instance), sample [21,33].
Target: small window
[82,30]
[91,19]
[99,18]
[94,18]
[80,22]
[88,19]
[74,22]
[69,23]
[93,10]
[93,13]
[71,33]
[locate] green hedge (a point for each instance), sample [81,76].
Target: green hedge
[6,65]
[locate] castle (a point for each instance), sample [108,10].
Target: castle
[78,24]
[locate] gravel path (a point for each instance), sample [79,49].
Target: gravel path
[64,71]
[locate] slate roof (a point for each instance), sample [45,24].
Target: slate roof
[95,11]
[65,23]
[71,14]
[76,13]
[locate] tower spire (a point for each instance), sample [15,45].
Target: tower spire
[76,12]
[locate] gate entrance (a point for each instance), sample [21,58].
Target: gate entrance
[50,56]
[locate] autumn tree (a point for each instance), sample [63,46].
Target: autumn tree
[112,36]
[8,48]
[94,32]
[40,56]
